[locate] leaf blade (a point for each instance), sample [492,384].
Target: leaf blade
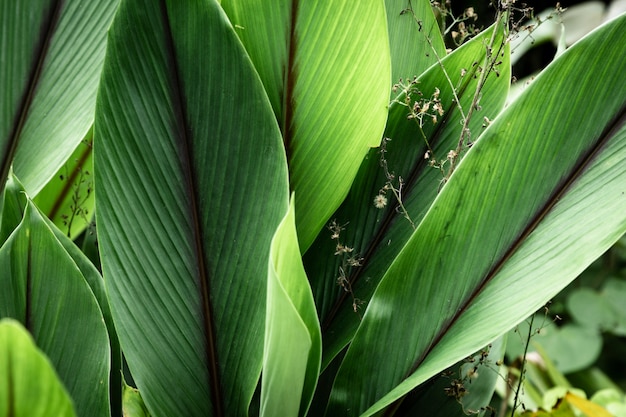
[206,193]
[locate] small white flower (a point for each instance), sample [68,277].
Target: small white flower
[380,201]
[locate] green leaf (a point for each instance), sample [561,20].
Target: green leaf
[509,230]
[571,347]
[613,291]
[378,235]
[326,69]
[43,288]
[52,53]
[591,309]
[133,403]
[192,183]
[68,198]
[29,386]
[293,341]
[414,37]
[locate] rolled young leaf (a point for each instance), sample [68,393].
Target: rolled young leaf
[538,198]
[192,182]
[293,340]
[326,68]
[42,287]
[52,53]
[29,386]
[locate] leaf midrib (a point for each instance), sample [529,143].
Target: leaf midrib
[289,82]
[185,151]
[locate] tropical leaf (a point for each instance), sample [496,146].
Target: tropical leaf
[29,387]
[377,235]
[293,341]
[331,105]
[192,183]
[536,200]
[43,289]
[52,53]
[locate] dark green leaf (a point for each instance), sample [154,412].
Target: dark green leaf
[43,288]
[192,183]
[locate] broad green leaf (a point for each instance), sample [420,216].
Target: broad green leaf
[43,289]
[535,201]
[192,183]
[29,386]
[51,54]
[293,341]
[326,69]
[68,198]
[377,235]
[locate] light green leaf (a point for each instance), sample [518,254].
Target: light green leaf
[52,53]
[192,183]
[535,201]
[68,198]
[326,69]
[293,341]
[29,386]
[43,288]
[133,403]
